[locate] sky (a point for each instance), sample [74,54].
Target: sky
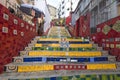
[54,3]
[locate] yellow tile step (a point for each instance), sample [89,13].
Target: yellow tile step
[58,39]
[62,53]
[71,45]
[38,67]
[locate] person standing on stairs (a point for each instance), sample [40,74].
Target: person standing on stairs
[40,26]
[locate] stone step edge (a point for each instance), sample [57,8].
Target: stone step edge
[58,57]
[20,59]
[25,53]
[57,63]
[47,74]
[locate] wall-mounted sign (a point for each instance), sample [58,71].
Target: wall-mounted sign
[103,40]
[22,24]
[112,46]
[15,21]
[107,40]
[111,39]
[103,44]
[98,29]
[33,30]
[30,29]
[106,29]
[107,45]
[27,27]
[94,37]
[117,39]
[117,45]
[116,26]
[22,33]
[84,28]
[5,29]
[5,16]
[15,32]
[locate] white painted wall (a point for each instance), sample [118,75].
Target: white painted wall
[41,4]
[67,4]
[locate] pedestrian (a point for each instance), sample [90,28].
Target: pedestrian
[40,28]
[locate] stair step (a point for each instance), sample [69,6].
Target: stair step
[59,39]
[46,47]
[99,48]
[95,45]
[44,59]
[35,67]
[114,74]
[63,54]
[63,59]
[71,45]
[28,48]
[31,45]
[57,42]
[63,49]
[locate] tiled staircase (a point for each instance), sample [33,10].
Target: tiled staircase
[51,58]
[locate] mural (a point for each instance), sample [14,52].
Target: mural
[108,36]
[13,30]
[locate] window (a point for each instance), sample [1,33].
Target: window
[68,9]
[63,7]
[62,2]
[93,30]
[62,13]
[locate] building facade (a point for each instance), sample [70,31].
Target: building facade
[81,9]
[98,20]
[53,11]
[99,11]
[42,5]
[15,4]
[65,7]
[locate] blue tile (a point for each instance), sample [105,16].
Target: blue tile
[92,60]
[101,58]
[44,59]
[53,78]
[32,59]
